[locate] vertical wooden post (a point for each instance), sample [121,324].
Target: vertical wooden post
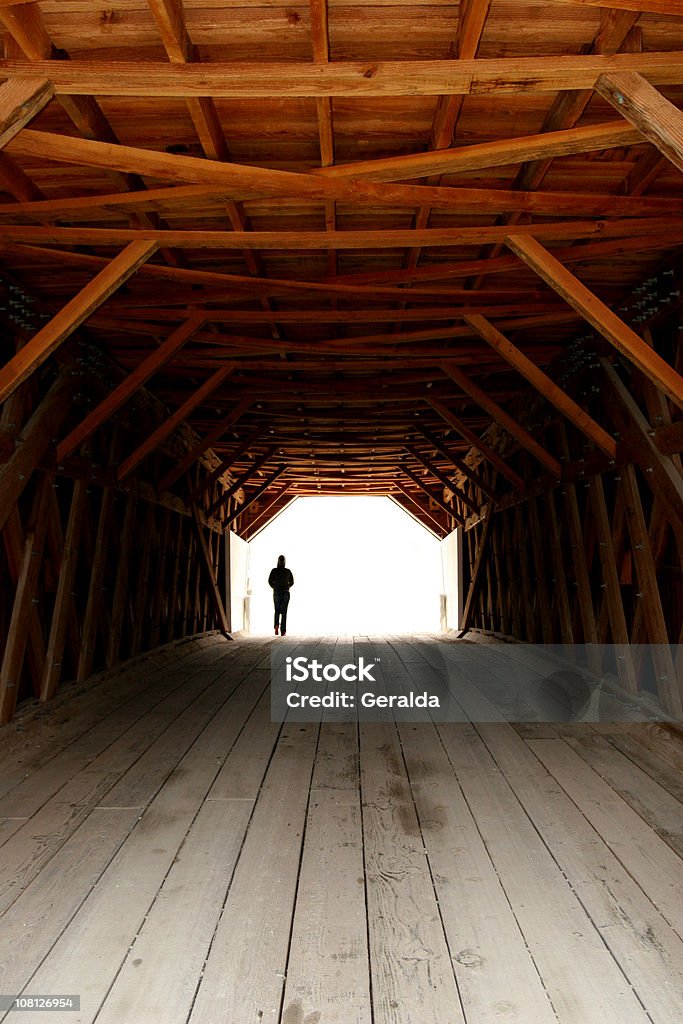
[542,594]
[173,588]
[140,606]
[610,578]
[95,609]
[581,575]
[18,634]
[161,577]
[64,603]
[560,578]
[118,607]
[649,595]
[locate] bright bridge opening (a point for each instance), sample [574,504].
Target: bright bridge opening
[361,565]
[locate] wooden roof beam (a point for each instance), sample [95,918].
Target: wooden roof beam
[500,416]
[173,421]
[462,200]
[391,238]
[20,100]
[72,315]
[227,79]
[544,385]
[647,110]
[127,388]
[600,316]
[246,182]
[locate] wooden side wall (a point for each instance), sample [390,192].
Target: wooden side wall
[596,558]
[91,572]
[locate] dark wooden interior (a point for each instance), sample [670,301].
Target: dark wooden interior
[254,252]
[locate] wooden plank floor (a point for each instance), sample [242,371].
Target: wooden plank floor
[171,855]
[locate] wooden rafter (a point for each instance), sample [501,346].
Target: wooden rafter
[241,480]
[254,496]
[500,416]
[444,505]
[128,387]
[542,382]
[174,420]
[647,110]
[205,443]
[78,309]
[600,316]
[246,182]
[20,100]
[481,446]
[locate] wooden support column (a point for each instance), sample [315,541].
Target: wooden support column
[140,606]
[500,588]
[18,634]
[95,609]
[610,578]
[14,541]
[118,607]
[527,594]
[511,557]
[64,605]
[484,449]
[648,590]
[647,110]
[578,548]
[20,100]
[559,575]
[600,316]
[72,315]
[477,575]
[174,421]
[540,564]
[160,576]
[210,578]
[174,560]
[34,441]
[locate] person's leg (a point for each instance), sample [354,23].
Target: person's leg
[276,619]
[283,609]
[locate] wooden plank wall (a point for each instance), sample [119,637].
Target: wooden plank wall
[92,572]
[597,557]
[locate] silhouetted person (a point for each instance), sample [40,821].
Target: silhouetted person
[281,580]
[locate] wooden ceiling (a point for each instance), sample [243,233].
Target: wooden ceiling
[339,239]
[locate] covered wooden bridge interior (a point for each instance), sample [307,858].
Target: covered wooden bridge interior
[256,251]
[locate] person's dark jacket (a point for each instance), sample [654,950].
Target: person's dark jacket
[281,579]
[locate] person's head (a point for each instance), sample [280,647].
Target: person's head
[281,562]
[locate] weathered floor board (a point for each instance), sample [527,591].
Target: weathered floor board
[170,854]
